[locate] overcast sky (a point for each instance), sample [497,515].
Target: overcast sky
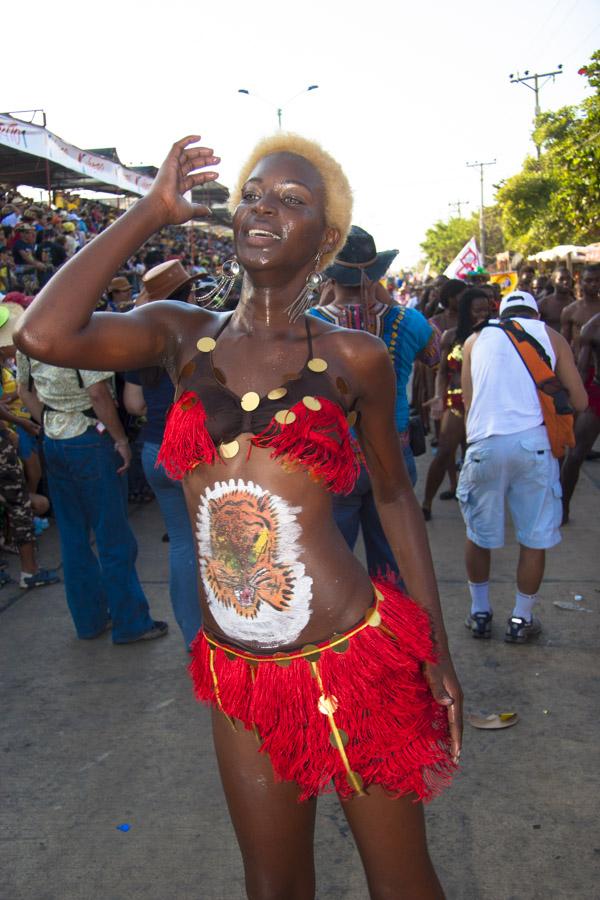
[408,93]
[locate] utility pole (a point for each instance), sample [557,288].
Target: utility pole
[457,204]
[481,219]
[536,87]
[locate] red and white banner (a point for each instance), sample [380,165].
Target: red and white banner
[465,262]
[40,142]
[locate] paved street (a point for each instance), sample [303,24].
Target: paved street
[94,736]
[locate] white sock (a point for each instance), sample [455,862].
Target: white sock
[26,574]
[524,604]
[480,597]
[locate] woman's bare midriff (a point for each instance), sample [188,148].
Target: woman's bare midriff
[275,572]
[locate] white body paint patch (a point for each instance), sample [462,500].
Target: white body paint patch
[255,584]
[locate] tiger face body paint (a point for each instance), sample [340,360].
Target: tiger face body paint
[255,584]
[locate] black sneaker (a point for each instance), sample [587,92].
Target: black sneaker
[158,630]
[519,631]
[480,624]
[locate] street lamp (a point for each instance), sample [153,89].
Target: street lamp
[311,87]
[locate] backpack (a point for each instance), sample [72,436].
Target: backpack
[553,397]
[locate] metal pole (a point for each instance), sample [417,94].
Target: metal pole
[536,88]
[480,165]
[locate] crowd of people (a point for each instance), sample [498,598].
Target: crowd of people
[493,382]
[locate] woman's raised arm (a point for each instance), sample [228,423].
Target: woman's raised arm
[61,327]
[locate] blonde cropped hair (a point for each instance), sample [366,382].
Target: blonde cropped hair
[338,194]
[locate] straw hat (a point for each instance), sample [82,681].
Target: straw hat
[10,313]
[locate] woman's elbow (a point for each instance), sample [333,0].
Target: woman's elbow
[37,345]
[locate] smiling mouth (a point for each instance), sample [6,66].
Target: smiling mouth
[260,232]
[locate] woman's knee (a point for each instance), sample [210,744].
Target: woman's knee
[265,885]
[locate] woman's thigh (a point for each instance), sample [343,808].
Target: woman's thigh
[391,839]
[452,432]
[274,831]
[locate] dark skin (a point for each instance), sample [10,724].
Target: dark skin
[587,424]
[285,197]
[553,305]
[576,314]
[452,427]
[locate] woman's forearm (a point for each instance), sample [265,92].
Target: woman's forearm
[67,302]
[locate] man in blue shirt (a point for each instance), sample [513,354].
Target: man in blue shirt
[354,299]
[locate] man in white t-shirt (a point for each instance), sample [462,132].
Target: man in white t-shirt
[509,460]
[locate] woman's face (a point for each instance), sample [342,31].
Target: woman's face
[280,221]
[480,309]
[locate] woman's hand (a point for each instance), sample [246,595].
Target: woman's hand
[178,175]
[446,690]
[436,407]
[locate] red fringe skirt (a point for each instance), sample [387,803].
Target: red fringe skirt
[355,710]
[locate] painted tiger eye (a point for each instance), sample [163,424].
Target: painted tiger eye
[351,418]
[206,344]
[220,376]
[277,393]
[311,403]
[316,364]
[228,451]
[285,416]
[250,401]
[341,385]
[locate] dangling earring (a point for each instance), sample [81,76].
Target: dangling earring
[304,300]
[217,296]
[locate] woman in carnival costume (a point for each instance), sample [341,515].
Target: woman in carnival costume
[316,675]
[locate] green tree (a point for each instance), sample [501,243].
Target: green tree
[556,199]
[445,239]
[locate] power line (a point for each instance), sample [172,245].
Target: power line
[456,205]
[536,87]
[481,218]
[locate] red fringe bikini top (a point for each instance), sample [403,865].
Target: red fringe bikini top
[303,421]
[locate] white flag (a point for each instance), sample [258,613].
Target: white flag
[466,261]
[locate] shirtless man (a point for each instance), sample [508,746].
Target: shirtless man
[576,314]
[552,305]
[587,425]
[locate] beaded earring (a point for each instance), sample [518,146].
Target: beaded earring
[216,297]
[305,298]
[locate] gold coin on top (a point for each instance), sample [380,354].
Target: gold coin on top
[316,364]
[250,401]
[343,738]
[187,370]
[327,704]
[228,451]
[206,344]
[373,617]
[312,652]
[282,660]
[340,647]
[285,416]
[351,418]
[355,781]
[311,403]
[277,393]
